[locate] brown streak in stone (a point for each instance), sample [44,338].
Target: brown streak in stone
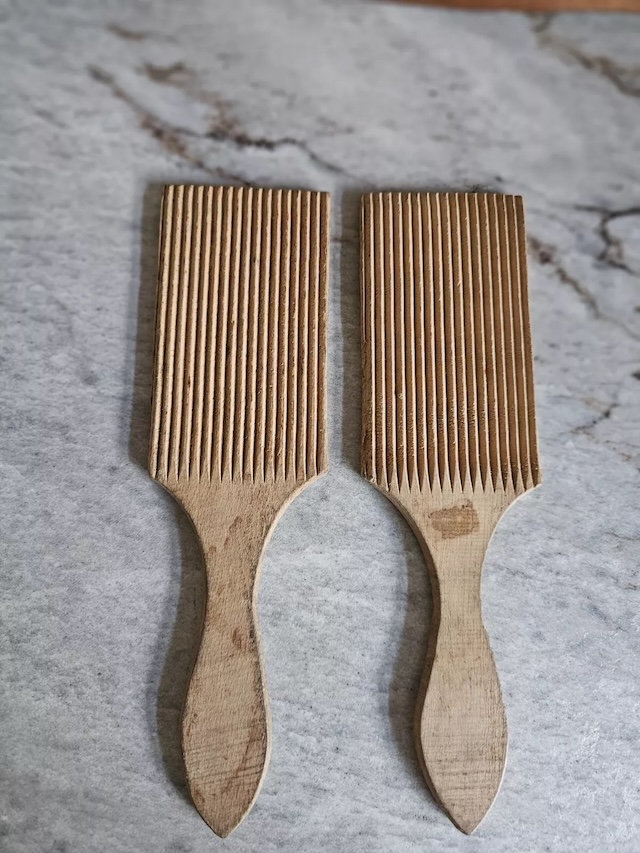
[125,33]
[166,74]
[625,80]
[546,255]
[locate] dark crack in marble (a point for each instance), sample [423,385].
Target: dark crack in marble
[128,34]
[547,255]
[613,247]
[224,127]
[603,414]
[170,138]
[625,79]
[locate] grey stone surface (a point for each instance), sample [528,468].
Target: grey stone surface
[101,585]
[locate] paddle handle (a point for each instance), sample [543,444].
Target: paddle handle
[461,726]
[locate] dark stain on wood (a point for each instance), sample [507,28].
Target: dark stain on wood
[237,522]
[455,521]
[236,639]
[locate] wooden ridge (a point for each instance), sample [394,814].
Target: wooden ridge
[240,382]
[448,378]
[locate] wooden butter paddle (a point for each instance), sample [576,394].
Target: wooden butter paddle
[449,435]
[239,428]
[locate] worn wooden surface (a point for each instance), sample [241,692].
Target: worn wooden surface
[449,435]
[537,5]
[239,427]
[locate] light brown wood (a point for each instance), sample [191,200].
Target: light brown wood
[536,5]
[239,428]
[449,435]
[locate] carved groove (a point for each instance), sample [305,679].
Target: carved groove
[448,373]
[240,383]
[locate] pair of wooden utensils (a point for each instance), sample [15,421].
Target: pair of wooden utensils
[239,428]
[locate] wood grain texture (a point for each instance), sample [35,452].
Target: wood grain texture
[238,429]
[449,435]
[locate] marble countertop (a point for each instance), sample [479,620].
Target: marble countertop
[101,581]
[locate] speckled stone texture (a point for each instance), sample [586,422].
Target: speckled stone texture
[102,103]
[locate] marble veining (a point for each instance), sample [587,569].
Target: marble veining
[101,582]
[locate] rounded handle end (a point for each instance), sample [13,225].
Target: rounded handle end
[226,733]
[462,731]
